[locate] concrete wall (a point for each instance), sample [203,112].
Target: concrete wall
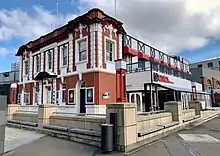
[196,75]
[2,122]
[205,63]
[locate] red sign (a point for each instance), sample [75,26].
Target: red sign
[161,78]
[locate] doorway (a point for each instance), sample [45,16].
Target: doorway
[83,98]
[48,94]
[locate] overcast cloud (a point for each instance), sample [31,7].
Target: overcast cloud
[169,25]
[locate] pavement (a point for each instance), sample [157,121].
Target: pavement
[202,140]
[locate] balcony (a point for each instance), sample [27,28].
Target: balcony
[134,47]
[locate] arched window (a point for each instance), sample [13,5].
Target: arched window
[132,98]
[138,101]
[209,84]
[218,84]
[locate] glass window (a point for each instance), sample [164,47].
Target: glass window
[109,50]
[26,98]
[26,67]
[82,50]
[210,64]
[37,64]
[200,66]
[36,94]
[64,54]
[71,96]
[64,93]
[49,59]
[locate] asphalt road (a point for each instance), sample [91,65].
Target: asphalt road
[203,140]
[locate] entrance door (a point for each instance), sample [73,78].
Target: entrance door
[82,100]
[49,94]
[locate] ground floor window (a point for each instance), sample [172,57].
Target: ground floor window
[36,100]
[26,98]
[71,96]
[90,95]
[63,93]
[57,97]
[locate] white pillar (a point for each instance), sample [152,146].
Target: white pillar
[55,59]
[31,66]
[120,46]
[71,52]
[92,44]
[42,62]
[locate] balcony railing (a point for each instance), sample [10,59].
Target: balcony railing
[137,67]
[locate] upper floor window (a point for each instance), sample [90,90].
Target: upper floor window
[110,50]
[26,67]
[210,64]
[82,49]
[64,54]
[37,63]
[49,59]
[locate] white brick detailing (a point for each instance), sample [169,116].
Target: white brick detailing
[21,69]
[30,66]
[55,59]
[92,45]
[120,46]
[71,52]
[42,62]
[100,53]
[40,92]
[54,91]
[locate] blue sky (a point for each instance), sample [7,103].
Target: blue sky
[25,20]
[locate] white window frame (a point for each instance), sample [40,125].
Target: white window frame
[26,93]
[114,50]
[72,89]
[27,60]
[63,89]
[19,99]
[86,50]
[77,50]
[38,93]
[61,54]
[93,88]
[47,59]
[35,63]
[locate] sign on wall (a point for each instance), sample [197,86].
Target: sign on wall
[105,95]
[161,78]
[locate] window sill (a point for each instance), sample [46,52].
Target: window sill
[111,62]
[63,66]
[81,62]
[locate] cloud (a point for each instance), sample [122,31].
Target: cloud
[17,24]
[169,25]
[4,52]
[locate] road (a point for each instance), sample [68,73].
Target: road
[203,140]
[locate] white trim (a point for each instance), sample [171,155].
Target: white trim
[115,50]
[74,95]
[77,50]
[92,95]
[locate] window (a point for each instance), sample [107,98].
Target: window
[64,93]
[209,84]
[210,64]
[36,95]
[200,66]
[19,99]
[110,50]
[37,63]
[26,67]
[26,98]
[82,50]
[71,96]
[64,54]
[49,59]
[90,95]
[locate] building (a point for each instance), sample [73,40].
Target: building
[15,66]
[82,64]
[210,80]
[154,77]
[74,65]
[6,79]
[212,63]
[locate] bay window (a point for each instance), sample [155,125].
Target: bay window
[26,67]
[37,63]
[49,59]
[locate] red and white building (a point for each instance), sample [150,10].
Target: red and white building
[75,65]
[82,64]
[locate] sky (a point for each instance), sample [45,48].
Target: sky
[189,28]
